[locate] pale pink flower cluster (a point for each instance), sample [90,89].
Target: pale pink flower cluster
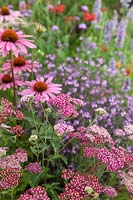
[110,191]
[61,128]
[14,160]
[66,105]
[98,135]
[127,132]
[127,179]
[94,134]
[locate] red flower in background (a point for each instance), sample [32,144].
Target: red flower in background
[88,17]
[60,8]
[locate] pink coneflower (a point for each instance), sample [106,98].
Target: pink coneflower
[21,64]
[6,81]
[9,15]
[41,90]
[15,41]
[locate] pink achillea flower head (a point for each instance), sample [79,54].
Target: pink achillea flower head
[75,188]
[15,41]
[8,15]
[34,194]
[114,159]
[10,178]
[126,133]
[6,81]
[6,110]
[126,178]
[21,65]
[61,128]
[34,168]
[110,191]
[67,174]
[101,135]
[66,104]
[18,130]
[89,152]
[14,160]
[41,90]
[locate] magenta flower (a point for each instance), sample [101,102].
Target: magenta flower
[9,15]
[34,168]
[6,81]
[66,105]
[41,90]
[21,64]
[15,41]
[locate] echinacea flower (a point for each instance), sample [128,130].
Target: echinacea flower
[9,15]
[6,81]
[21,64]
[15,41]
[41,90]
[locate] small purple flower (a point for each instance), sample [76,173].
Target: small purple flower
[84,8]
[82,26]
[55,28]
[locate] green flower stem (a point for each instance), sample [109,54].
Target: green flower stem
[13,78]
[65,145]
